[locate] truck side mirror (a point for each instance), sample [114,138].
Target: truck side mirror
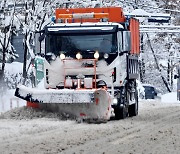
[38,41]
[126,42]
[41,37]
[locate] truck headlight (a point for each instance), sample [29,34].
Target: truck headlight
[106,56]
[53,57]
[78,55]
[62,56]
[96,55]
[50,57]
[115,101]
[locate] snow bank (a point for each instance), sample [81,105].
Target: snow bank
[14,68]
[170,98]
[140,12]
[28,113]
[13,76]
[8,101]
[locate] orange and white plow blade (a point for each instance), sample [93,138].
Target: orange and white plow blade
[82,103]
[100,109]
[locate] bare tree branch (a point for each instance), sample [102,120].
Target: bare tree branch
[157,64]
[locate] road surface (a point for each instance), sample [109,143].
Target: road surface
[156,130]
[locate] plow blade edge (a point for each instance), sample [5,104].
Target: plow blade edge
[86,104]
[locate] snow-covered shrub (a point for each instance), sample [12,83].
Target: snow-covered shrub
[13,75]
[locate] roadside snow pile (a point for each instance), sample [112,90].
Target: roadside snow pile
[170,98]
[8,101]
[13,74]
[28,113]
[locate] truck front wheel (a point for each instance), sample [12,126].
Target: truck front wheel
[121,110]
[121,113]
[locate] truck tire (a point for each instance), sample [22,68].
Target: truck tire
[133,109]
[121,110]
[121,113]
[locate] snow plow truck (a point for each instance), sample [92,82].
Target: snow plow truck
[88,60]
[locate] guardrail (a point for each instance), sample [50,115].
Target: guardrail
[9,105]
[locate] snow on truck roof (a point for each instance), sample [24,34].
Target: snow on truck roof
[87,24]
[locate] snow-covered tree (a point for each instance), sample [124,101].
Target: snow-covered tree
[36,14]
[6,24]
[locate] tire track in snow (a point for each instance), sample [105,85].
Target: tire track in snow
[133,133]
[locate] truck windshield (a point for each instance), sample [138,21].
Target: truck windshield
[71,44]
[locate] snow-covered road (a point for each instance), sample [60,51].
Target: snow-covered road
[155,130]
